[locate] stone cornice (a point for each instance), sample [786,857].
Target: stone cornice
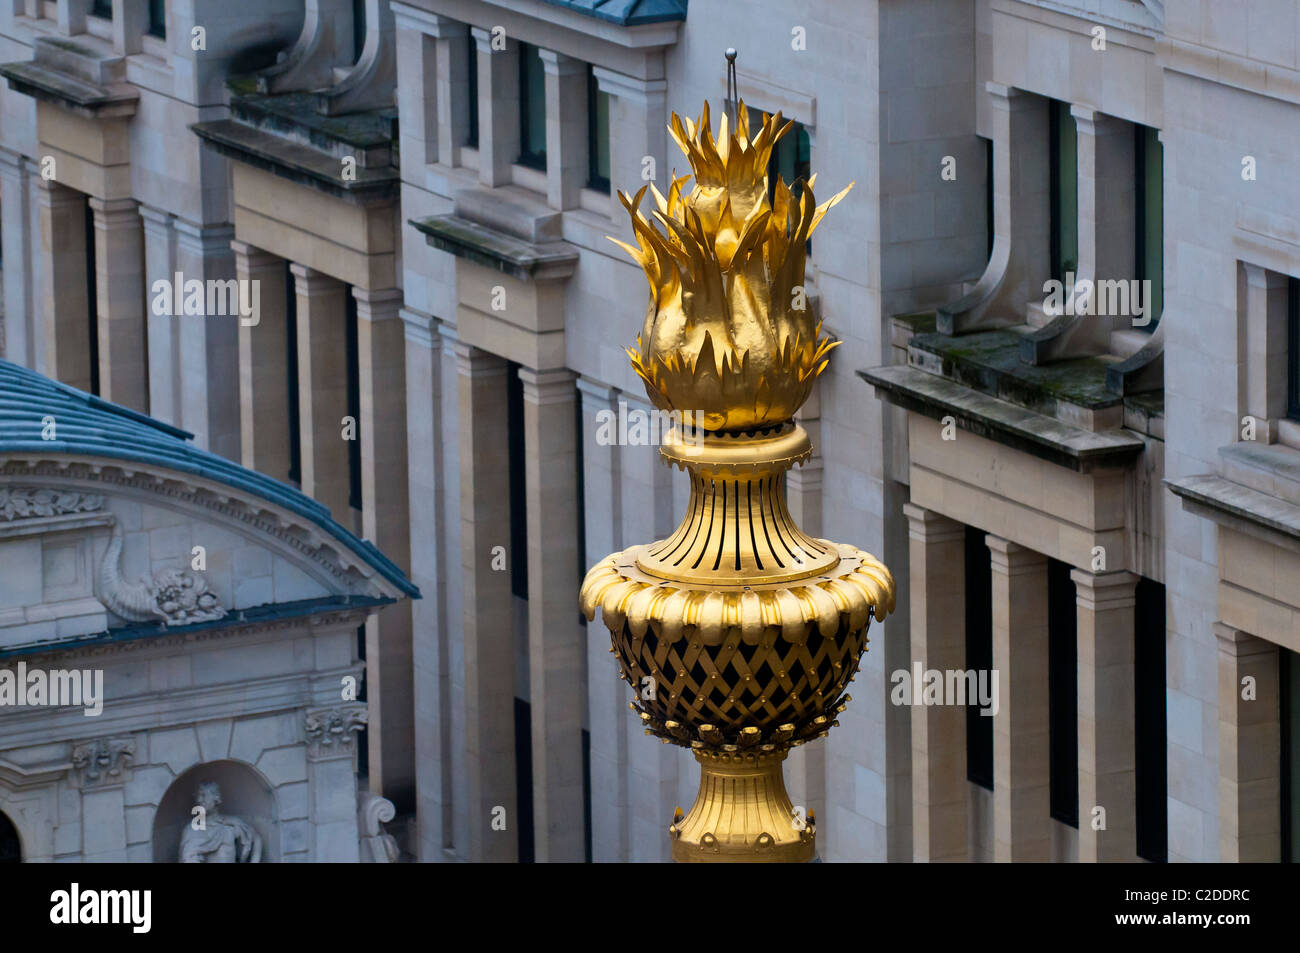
[334,562]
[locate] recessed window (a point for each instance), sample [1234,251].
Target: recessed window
[1289,669]
[358,28]
[102,9]
[471,91]
[532,107]
[1149,725]
[158,19]
[597,135]
[1149,219]
[1063,142]
[1063,693]
[979,654]
[1293,348]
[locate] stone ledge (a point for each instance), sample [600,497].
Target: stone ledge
[491,248]
[1270,468]
[116,100]
[299,163]
[1008,424]
[1239,507]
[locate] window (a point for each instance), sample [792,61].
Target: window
[988,195]
[10,848]
[524,779]
[597,135]
[1064,159]
[354,401]
[1293,348]
[158,19]
[518,482]
[979,654]
[471,60]
[358,28]
[1149,222]
[92,298]
[291,375]
[1289,669]
[102,9]
[1063,693]
[532,107]
[1149,720]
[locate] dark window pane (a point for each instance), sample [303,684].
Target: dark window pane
[524,779]
[291,375]
[988,194]
[1148,205]
[358,28]
[1149,719]
[979,654]
[1293,347]
[1290,672]
[158,19]
[1064,158]
[532,107]
[354,402]
[518,560]
[597,135]
[102,9]
[92,298]
[10,849]
[1063,692]
[471,139]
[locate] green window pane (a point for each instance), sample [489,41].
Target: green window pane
[471,137]
[158,19]
[1064,149]
[597,134]
[1150,220]
[532,107]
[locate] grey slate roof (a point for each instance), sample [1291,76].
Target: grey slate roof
[86,425]
[627,12]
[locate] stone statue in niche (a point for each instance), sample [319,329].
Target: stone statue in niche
[212,838]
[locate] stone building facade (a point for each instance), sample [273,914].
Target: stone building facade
[172,620]
[445,281]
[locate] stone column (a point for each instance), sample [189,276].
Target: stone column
[1107,700]
[453,88]
[498,108]
[1021,753]
[386,521]
[162,329]
[566,129]
[555,637]
[1106,209]
[121,302]
[638,127]
[208,343]
[331,786]
[606,694]
[487,602]
[323,388]
[417,92]
[429,640]
[263,364]
[65,286]
[16,251]
[937,567]
[1250,748]
[660,776]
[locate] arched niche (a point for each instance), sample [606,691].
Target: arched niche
[11,846]
[244,794]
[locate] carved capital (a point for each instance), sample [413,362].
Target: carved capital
[332,732]
[103,762]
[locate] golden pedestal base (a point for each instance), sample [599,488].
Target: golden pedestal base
[742,813]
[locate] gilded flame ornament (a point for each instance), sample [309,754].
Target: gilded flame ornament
[739,632]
